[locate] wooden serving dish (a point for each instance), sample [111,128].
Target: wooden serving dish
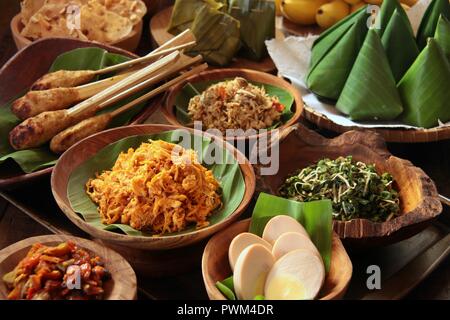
[28,65]
[88,147]
[216,267]
[129,43]
[121,286]
[390,135]
[419,200]
[222,74]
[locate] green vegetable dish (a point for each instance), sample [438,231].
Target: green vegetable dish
[355,188]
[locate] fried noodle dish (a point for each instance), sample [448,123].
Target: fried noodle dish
[235,104]
[160,187]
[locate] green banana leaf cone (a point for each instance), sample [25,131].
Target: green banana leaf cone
[370,92]
[327,77]
[430,19]
[399,45]
[424,89]
[386,11]
[442,35]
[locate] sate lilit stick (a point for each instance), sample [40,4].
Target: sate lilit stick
[65,139]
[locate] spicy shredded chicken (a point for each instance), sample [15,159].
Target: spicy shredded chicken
[159,187]
[235,104]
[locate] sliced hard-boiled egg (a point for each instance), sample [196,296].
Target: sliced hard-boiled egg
[291,241]
[251,270]
[242,241]
[279,225]
[298,275]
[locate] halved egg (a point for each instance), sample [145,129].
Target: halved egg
[291,241]
[251,270]
[298,275]
[242,241]
[279,225]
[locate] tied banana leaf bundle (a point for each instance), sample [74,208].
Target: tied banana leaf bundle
[334,53]
[424,89]
[217,34]
[430,19]
[257,24]
[442,35]
[399,44]
[386,11]
[185,11]
[370,91]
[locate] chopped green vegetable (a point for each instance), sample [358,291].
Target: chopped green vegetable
[259,297]
[356,189]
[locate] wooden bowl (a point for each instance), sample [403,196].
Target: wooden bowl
[129,43]
[221,74]
[28,65]
[216,267]
[419,201]
[88,147]
[390,135]
[121,286]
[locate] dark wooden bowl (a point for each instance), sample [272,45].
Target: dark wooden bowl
[221,74]
[216,267]
[129,42]
[88,147]
[28,65]
[419,198]
[121,286]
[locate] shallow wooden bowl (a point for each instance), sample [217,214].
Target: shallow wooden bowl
[222,74]
[23,69]
[88,147]
[121,286]
[216,267]
[419,201]
[129,43]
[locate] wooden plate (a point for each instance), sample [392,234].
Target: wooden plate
[221,74]
[216,267]
[390,135]
[88,147]
[158,28]
[299,30]
[29,64]
[121,286]
[419,199]
[129,43]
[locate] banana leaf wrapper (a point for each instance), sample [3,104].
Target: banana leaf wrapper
[370,91]
[329,72]
[226,170]
[257,24]
[217,34]
[427,27]
[424,88]
[185,11]
[400,45]
[442,35]
[386,11]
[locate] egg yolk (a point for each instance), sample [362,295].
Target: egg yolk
[285,287]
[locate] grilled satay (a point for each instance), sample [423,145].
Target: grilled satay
[63,79]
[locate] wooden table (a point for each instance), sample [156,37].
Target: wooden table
[31,211]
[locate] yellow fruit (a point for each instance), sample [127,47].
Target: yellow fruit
[375,2]
[352,2]
[301,11]
[278,7]
[405,6]
[330,13]
[356,6]
[409,3]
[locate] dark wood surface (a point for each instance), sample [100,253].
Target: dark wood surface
[36,200]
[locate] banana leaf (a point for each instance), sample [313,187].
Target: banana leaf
[257,24]
[190,90]
[386,11]
[424,89]
[326,78]
[217,34]
[226,170]
[38,158]
[442,35]
[399,44]
[427,27]
[185,11]
[315,216]
[370,91]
